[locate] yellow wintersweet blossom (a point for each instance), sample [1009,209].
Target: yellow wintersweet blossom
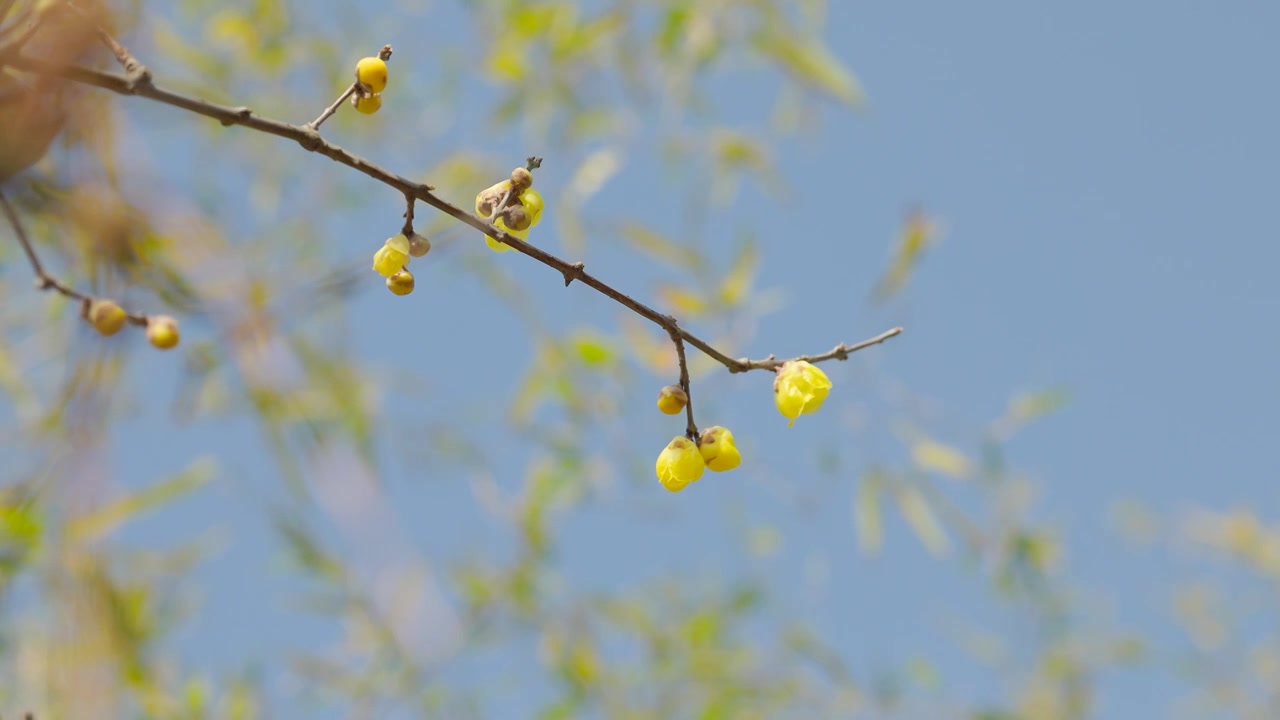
[392,256]
[679,464]
[799,389]
[718,449]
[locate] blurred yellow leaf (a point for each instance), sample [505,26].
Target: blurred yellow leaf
[656,245]
[866,513]
[592,173]
[96,523]
[507,62]
[916,511]
[737,282]
[808,60]
[917,234]
[1025,408]
[764,541]
[682,301]
[233,29]
[933,456]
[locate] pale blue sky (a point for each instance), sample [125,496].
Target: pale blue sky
[1108,177]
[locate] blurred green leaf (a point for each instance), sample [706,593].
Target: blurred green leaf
[592,348]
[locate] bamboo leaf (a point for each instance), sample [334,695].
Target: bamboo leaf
[932,456]
[916,511]
[866,513]
[809,61]
[97,523]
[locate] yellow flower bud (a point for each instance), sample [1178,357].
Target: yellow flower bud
[106,317]
[672,399]
[799,389]
[401,283]
[419,245]
[392,256]
[503,247]
[367,104]
[532,202]
[162,331]
[521,179]
[718,449]
[679,464]
[371,72]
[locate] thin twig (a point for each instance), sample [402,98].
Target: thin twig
[839,352]
[311,141]
[135,71]
[329,111]
[691,428]
[12,216]
[45,281]
[408,214]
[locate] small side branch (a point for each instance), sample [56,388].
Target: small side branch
[329,111]
[691,428]
[409,200]
[839,352]
[45,281]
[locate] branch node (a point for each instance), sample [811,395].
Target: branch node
[44,282]
[573,273]
[137,76]
[242,113]
[310,140]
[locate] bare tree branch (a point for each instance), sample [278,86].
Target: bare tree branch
[138,82]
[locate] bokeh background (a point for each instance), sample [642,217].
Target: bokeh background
[1053,496]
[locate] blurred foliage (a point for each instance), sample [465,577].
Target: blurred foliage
[88,617]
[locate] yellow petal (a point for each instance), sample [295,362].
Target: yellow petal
[388,260]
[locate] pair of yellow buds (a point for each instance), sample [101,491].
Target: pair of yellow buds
[371,80]
[799,389]
[683,461]
[392,260]
[108,318]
